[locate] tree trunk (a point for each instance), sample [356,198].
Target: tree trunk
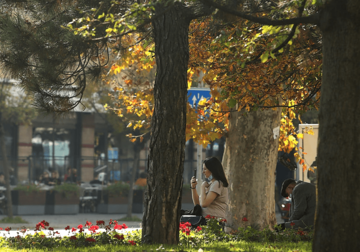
[132,180]
[337,225]
[166,151]
[6,169]
[249,161]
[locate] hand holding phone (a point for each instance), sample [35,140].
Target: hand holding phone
[194,174]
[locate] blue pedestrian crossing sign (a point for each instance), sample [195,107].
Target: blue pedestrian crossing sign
[197,94]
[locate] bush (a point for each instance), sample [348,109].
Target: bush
[119,188]
[27,188]
[67,189]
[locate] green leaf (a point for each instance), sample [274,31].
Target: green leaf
[264,57]
[101,16]
[272,55]
[132,27]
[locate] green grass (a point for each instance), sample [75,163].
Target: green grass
[133,218]
[214,246]
[16,219]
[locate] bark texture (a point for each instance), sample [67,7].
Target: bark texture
[337,224]
[166,150]
[249,161]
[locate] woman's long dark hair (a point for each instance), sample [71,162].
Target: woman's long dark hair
[214,165]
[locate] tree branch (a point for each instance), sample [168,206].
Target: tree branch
[312,19]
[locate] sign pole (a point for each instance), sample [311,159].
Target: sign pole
[199,167]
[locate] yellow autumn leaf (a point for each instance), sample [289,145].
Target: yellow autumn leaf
[300,136]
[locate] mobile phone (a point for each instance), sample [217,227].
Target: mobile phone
[194,174]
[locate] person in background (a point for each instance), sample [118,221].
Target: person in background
[141,181]
[213,197]
[55,180]
[72,177]
[68,174]
[96,180]
[45,178]
[303,204]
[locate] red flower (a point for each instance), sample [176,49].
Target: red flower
[244,219]
[184,227]
[73,229]
[198,228]
[124,226]
[80,226]
[1,228]
[90,239]
[208,216]
[40,224]
[223,220]
[81,230]
[73,237]
[292,224]
[8,229]
[50,228]
[117,226]
[300,232]
[132,243]
[119,237]
[67,228]
[88,223]
[93,228]
[42,236]
[100,222]
[45,223]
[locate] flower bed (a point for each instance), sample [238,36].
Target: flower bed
[46,237]
[191,238]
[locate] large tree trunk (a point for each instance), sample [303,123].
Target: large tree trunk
[167,143]
[6,169]
[249,161]
[337,225]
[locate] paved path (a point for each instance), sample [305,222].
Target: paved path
[61,221]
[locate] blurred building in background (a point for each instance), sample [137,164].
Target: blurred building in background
[83,141]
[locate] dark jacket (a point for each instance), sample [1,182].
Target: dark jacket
[303,205]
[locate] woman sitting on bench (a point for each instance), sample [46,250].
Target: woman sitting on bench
[213,194]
